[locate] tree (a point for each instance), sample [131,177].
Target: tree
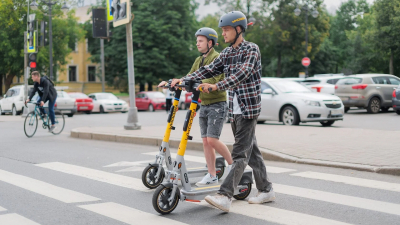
[163,41]
[13,22]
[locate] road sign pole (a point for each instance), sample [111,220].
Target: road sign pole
[133,122]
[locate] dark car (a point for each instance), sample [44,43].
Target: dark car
[396,100]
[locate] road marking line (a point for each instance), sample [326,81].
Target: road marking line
[270,169]
[275,215]
[350,180]
[128,215]
[126,163]
[131,169]
[346,200]
[15,219]
[45,189]
[97,175]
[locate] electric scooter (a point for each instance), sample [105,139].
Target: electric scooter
[153,175]
[166,197]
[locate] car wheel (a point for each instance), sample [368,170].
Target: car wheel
[374,105]
[327,123]
[101,109]
[385,109]
[290,116]
[151,108]
[70,115]
[346,109]
[14,111]
[397,111]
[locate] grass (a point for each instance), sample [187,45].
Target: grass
[121,94]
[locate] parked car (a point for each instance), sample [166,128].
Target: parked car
[370,91]
[150,100]
[107,102]
[64,103]
[13,101]
[396,100]
[322,84]
[292,103]
[84,103]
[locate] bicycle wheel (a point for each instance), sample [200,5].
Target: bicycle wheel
[30,125]
[60,123]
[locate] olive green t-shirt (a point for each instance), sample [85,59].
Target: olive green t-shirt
[215,96]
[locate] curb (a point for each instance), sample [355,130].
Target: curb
[266,153]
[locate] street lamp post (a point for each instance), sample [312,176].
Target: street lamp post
[314,13]
[64,8]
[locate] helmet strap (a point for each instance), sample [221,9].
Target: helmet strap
[237,36]
[208,49]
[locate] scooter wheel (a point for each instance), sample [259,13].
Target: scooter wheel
[148,176]
[244,192]
[220,172]
[160,200]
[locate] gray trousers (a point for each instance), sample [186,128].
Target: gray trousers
[245,152]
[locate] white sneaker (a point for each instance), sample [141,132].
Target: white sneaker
[263,197]
[219,201]
[207,180]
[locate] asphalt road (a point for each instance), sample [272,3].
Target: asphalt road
[51,180]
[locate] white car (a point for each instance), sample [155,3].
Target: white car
[291,103]
[107,102]
[322,84]
[13,101]
[64,103]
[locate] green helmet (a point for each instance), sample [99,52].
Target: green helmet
[209,33]
[233,19]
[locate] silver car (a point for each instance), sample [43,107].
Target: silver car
[369,91]
[292,103]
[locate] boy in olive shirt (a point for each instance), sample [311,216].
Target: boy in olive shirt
[213,107]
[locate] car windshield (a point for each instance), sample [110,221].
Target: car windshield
[311,82]
[155,95]
[287,86]
[106,96]
[349,81]
[62,94]
[78,95]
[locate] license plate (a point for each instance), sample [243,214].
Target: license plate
[84,107]
[336,112]
[118,108]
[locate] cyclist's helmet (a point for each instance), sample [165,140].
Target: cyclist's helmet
[234,19]
[209,33]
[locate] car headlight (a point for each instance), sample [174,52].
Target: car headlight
[312,103]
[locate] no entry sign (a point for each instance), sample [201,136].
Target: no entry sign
[306,61]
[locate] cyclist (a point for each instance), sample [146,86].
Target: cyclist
[213,107]
[45,88]
[241,63]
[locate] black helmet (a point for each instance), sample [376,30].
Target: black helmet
[233,19]
[209,33]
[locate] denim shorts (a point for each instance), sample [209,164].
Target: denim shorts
[212,118]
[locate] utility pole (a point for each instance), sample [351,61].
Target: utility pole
[102,65]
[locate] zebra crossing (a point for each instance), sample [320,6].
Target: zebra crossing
[129,179]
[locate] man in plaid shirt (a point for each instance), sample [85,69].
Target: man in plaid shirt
[241,63]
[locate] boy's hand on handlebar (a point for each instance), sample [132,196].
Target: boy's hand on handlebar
[175,81]
[205,88]
[162,84]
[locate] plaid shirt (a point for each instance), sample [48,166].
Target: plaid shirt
[242,68]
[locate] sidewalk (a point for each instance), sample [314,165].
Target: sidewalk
[367,150]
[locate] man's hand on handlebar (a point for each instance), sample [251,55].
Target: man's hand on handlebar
[206,88]
[175,81]
[41,103]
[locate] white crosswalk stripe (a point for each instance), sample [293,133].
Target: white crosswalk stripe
[270,169]
[357,202]
[276,215]
[98,175]
[128,215]
[15,219]
[43,188]
[350,180]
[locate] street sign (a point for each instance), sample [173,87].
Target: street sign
[121,11]
[109,10]
[306,61]
[30,43]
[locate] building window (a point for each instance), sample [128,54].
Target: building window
[72,73]
[91,74]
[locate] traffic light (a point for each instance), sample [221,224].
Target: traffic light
[32,60]
[121,12]
[43,33]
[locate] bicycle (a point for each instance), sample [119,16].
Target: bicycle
[31,121]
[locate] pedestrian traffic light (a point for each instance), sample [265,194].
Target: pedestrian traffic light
[32,60]
[121,12]
[31,37]
[43,33]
